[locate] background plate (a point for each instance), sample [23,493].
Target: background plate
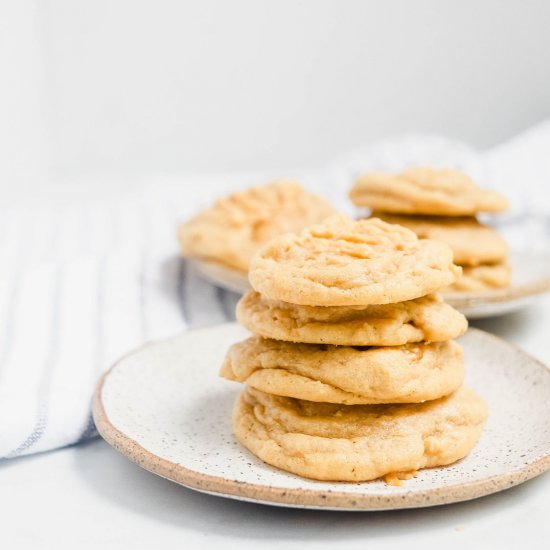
[164,407]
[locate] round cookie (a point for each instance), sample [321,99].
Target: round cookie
[425,190]
[483,277]
[340,374]
[233,229]
[344,262]
[357,442]
[424,319]
[472,242]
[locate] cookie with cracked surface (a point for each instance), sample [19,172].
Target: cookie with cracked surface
[424,319]
[483,277]
[425,190]
[357,442]
[343,262]
[472,242]
[348,375]
[233,229]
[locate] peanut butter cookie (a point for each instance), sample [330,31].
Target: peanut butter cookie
[343,262]
[233,229]
[483,277]
[340,374]
[357,442]
[425,190]
[428,318]
[472,242]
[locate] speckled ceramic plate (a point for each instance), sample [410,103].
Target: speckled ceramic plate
[164,407]
[530,278]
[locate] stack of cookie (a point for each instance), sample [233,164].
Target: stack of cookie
[352,372]
[442,204]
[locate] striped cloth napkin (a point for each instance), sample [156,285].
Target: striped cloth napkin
[81,286]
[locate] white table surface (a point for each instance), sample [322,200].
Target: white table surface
[91,497]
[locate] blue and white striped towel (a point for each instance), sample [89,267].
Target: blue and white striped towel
[81,286]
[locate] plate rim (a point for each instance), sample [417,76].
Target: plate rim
[300,497]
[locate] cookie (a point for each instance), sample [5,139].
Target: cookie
[233,229]
[472,242]
[357,442]
[340,374]
[483,277]
[428,318]
[343,262]
[425,190]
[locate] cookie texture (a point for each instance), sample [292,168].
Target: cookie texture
[483,277]
[233,229]
[341,374]
[428,318]
[357,442]
[425,190]
[344,262]
[472,242]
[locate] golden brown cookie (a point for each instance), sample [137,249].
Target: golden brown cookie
[425,190]
[357,442]
[340,374]
[344,262]
[233,229]
[483,277]
[428,318]
[472,242]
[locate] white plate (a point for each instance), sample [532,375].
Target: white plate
[530,278]
[164,407]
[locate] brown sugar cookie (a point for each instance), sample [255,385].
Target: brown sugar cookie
[340,374]
[428,318]
[344,262]
[425,190]
[357,442]
[233,229]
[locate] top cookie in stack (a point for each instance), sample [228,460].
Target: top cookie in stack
[345,263]
[442,204]
[352,373]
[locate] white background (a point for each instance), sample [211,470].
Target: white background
[131,88]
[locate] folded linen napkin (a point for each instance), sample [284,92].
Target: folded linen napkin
[81,286]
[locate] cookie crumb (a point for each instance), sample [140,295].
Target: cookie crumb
[395,479]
